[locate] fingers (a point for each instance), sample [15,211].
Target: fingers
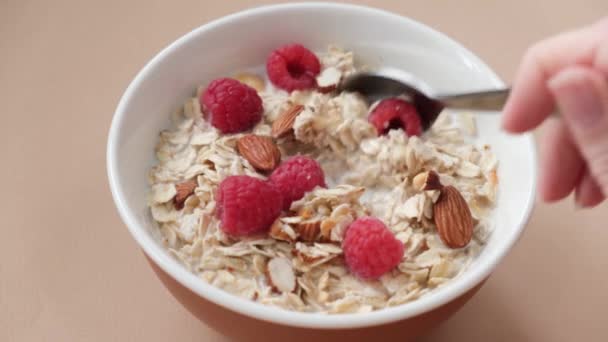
[600,61]
[530,101]
[561,163]
[588,193]
[582,96]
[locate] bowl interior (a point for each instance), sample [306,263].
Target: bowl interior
[244,40]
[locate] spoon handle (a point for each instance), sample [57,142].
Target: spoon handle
[483,100]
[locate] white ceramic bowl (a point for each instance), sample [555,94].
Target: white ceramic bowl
[244,40]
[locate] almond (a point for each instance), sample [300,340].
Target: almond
[278,232]
[453,218]
[280,274]
[184,190]
[309,230]
[305,258]
[261,152]
[425,181]
[326,227]
[306,212]
[493,178]
[328,80]
[284,123]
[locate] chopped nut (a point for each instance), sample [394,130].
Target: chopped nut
[427,181]
[282,232]
[280,274]
[183,190]
[308,230]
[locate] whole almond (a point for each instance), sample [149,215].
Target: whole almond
[183,190]
[308,230]
[261,152]
[453,218]
[284,123]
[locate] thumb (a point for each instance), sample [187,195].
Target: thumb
[581,94]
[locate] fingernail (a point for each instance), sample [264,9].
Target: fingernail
[577,97]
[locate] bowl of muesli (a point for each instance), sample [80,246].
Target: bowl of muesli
[261,195]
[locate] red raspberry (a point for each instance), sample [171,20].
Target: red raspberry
[396,113]
[247,205]
[295,177]
[231,106]
[292,67]
[371,249]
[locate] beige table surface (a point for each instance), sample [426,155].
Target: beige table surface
[69,270]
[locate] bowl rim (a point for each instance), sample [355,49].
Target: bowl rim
[440,297]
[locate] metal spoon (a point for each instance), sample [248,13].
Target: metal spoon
[374,86]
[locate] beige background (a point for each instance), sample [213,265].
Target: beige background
[69,270]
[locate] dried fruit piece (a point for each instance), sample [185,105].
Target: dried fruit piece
[252,80]
[281,275]
[453,218]
[184,189]
[284,123]
[261,152]
[309,230]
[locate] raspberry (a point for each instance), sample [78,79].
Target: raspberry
[371,249]
[393,114]
[247,205]
[295,177]
[292,67]
[231,106]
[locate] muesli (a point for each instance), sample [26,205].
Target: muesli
[310,200]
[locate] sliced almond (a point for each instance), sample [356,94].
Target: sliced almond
[493,178]
[453,218]
[284,123]
[183,190]
[278,232]
[326,227]
[305,258]
[309,230]
[261,152]
[306,212]
[281,275]
[252,80]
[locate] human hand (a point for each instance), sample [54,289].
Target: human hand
[570,72]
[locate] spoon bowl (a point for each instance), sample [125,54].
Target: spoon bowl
[375,86]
